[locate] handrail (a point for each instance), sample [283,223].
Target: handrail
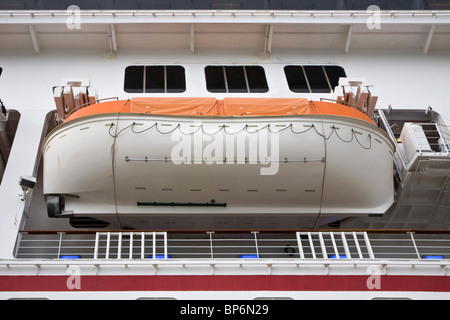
[134,244]
[222,262]
[387,231]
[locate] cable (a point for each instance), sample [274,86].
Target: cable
[324,165]
[139,132]
[268,127]
[370,141]
[113,158]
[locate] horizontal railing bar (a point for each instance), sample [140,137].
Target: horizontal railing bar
[276,231]
[349,262]
[396,253]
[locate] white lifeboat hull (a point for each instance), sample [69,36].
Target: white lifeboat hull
[137,166]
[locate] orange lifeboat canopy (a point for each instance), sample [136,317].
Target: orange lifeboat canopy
[225,107]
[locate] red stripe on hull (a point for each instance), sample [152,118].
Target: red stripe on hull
[225,283]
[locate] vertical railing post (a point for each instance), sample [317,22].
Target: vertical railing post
[256,243]
[346,248]
[97,238]
[414,244]
[59,245]
[211,243]
[336,252]
[119,246]
[165,245]
[368,245]
[358,248]
[154,245]
[130,256]
[108,239]
[143,244]
[322,246]
[300,246]
[311,244]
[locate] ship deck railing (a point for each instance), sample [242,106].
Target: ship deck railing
[304,246]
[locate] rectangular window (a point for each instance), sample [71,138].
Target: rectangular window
[134,79]
[176,79]
[155,79]
[313,79]
[236,79]
[215,79]
[256,79]
[317,79]
[296,79]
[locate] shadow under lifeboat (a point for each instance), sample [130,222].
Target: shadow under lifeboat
[208,163]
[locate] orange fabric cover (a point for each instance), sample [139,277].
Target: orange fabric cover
[98,108]
[265,106]
[178,106]
[327,108]
[227,107]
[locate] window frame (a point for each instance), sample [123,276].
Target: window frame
[165,82]
[226,79]
[310,88]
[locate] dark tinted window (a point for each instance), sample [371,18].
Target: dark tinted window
[236,79]
[134,79]
[295,76]
[334,73]
[176,79]
[215,79]
[256,79]
[154,79]
[317,79]
[313,79]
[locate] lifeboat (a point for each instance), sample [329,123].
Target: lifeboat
[198,162]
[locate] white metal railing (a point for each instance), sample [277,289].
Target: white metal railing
[361,243]
[127,244]
[303,245]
